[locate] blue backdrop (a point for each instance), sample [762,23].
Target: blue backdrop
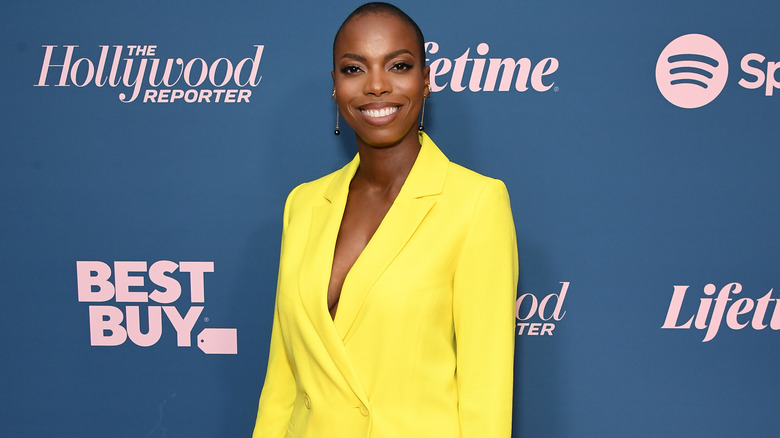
[634,216]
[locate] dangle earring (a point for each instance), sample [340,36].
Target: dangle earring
[422,111]
[333,96]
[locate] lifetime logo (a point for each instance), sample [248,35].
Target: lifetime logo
[693,69]
[478,74]
[738,312]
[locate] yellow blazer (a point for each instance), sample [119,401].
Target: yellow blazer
[422,344]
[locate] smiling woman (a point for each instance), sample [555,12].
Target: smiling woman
[380,77]
[397,280]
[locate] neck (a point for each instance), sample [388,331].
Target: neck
[387,167]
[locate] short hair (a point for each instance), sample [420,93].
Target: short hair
[383,8]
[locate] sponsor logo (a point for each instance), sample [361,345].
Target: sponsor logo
[762,75]
[693,70]
[473,72]
[538,316]
[738,313]
[143,76]
[121,320]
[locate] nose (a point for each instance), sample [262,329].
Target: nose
[377,82]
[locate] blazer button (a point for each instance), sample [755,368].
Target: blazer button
[364,411]
[307,401]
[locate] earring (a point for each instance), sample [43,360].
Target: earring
[422,112]
[333,96]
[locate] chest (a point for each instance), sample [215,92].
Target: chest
[363,214]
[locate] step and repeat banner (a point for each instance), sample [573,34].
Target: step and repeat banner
[147,149]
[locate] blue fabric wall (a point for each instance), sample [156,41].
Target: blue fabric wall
[621,199]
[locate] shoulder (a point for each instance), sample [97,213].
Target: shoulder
[461,191]
[458,183]
[318,190]
[311,189]
[467,184]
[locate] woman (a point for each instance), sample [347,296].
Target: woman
[395,303]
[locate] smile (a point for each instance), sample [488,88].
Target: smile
[379,112]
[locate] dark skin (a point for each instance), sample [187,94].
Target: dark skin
[380,82]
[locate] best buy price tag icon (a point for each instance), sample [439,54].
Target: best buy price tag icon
[218,341]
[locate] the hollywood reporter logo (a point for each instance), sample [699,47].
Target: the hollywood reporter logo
[693,69]
[547,311]
[738,313]
[137,68]
[113,324]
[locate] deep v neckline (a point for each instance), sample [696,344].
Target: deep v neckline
[347,268]
[415,199]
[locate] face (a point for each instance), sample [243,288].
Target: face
[379,80]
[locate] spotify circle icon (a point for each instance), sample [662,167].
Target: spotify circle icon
[692,71]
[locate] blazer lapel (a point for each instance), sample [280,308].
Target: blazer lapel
[318,260]
[413,203]
[404,217]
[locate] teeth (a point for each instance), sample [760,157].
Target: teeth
[380,112]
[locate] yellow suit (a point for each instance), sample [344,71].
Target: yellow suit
[422,344]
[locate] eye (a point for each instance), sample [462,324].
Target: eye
[400,66]
[350,69]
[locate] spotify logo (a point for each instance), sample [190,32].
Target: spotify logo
[692,71]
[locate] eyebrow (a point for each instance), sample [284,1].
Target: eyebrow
[388,56]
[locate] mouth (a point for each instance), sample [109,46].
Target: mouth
[380,112]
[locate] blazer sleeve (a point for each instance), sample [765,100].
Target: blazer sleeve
[278,394]
[484,294]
